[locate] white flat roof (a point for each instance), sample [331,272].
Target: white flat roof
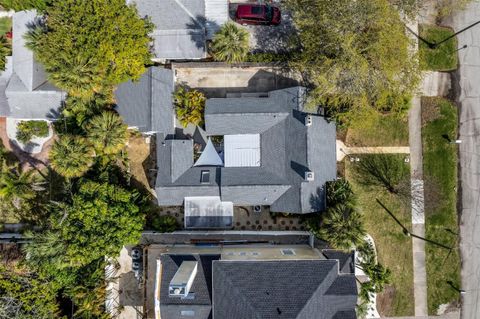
[242,150]
[208,212]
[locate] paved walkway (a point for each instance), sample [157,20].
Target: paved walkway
[343,150]
[467,85]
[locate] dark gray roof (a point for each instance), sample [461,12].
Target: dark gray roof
[281,289]
[179,27]
[148,103]
[346,260]
[288,150]
[28,94]
[171,307]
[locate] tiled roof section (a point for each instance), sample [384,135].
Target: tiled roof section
[148,103]
[350,314]
[279,289]
[346,260]
[179,27]
[202,284]
[343,285]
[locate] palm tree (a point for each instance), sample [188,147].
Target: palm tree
[5,50]
[107,133]
[339,191]
[17,186]
[230,43]
[342,227]
[71,156]
[189,106]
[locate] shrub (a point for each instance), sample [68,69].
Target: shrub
[189,106]
[26,130]
[165,224]
[339,191]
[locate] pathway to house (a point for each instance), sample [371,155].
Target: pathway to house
[343,150]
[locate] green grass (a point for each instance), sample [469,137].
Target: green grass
[394,249]
[439,117]
[442,58]
[5,25]
[378,130]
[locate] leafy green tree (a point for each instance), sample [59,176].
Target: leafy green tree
[107,133]
[384,171]
[5,50]
[71,156]
[91,46]
[341,227]
[19,5]
[101,219]
[26,295]
[165,224]
[17,186]
[355,54]
[339,191]
[230,44]
[189,106]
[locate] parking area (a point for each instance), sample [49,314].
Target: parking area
[218,80]
[267,38]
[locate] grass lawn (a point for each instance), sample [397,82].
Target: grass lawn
[439,117]
[394,248]
[378,130]
[442,58]
[5,25]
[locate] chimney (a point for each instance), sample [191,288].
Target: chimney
[182,281]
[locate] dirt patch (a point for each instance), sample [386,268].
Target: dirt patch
[385,299]
[142,162]
[430,110]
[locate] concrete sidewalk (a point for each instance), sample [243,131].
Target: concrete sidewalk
[343,150]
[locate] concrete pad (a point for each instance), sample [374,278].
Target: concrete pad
[436,84]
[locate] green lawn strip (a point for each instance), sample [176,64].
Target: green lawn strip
[442,58]
[440,174]
[394,249]
[5,25]
[379,130]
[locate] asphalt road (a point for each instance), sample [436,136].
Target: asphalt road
[468,87]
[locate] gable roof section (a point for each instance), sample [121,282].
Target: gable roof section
[179,27]
[273,289]
[148,103]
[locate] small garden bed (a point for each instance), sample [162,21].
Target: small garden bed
[442,58]
[439,131]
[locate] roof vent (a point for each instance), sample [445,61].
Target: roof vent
[308,120]
[182,281]
[309,176]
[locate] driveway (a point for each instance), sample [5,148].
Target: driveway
[468,95]
[218,79]
[267,38]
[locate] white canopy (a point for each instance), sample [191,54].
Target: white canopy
[209,156]
[208,212]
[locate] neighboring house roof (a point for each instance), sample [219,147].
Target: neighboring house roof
[262,289]
[288,149]
[28,94]
[147,104]
[281,289]
[182,26]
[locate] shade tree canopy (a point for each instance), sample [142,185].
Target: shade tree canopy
[355,54]
[91,46]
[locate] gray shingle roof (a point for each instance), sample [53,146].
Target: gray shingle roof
[171,307]
[28,93]
[179,27]
[148,103]
[281,289]
[289,148]
[346,260]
